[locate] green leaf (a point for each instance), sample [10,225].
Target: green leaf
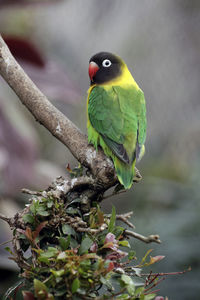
[9,250]
[128,282]
[64,243]
[75,285]
[118,231]
[76,200]
[28,218]
[62,255]
[34,206]
[50,204]
[139,291]
[126,279]
[43,213]
[92,295]
[44,260]
[51,252]
[124,244]
[22,237]
[131,255]
[85,245]
[40,289]
[95,265]
[145,257]
[67,229]
[73,211]
[73,243]
[123,297]
[112,220]
[106,282]
[58,273]
[60,292]
[131,289]
[150,297]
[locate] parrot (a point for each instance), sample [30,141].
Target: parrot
[116,114]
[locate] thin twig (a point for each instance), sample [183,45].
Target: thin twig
[6,242]
[114,194]
[152,286]
[124,218]
[152,292]
[150,280]
[29,192]
[166,274]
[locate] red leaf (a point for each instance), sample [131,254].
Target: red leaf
[29,234]
[110,266]
[38,229]
[115,255]
[155,259]
[21,231]
[110,237]
[28,295]
[68,168]
[94,247]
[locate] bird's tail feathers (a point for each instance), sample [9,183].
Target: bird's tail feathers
[125,172]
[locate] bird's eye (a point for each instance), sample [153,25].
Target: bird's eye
[106,63]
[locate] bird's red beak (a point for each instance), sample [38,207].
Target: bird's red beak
[93,68]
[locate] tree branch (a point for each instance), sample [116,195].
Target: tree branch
[55,121]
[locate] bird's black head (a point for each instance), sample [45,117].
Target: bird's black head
[103,67]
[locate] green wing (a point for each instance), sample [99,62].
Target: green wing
[116,113]
[142,125]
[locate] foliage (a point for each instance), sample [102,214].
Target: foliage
[76,255]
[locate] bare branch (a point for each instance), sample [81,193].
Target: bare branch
[124,218]
[33,193]
[51,118]
[4,218]
[10,221]
[151,238]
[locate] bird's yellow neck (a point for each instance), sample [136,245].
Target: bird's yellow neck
[125,78]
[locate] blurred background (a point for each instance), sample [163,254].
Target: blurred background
[160,42]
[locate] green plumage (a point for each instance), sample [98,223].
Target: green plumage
[117,122]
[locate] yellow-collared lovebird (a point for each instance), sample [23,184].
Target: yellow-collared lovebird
[116,114]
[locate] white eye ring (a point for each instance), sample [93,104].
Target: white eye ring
[106,63]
